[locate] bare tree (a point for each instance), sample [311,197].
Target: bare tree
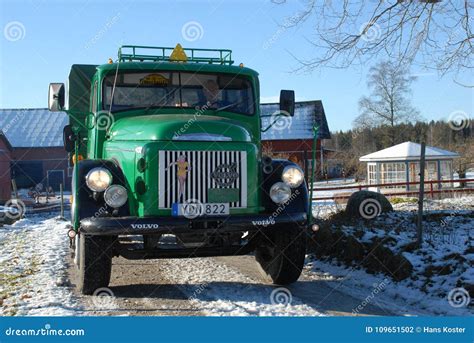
[464,146]
[435,34]
[389,103]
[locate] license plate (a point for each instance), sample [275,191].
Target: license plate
[195,209]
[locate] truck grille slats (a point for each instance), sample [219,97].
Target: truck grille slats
[201,165]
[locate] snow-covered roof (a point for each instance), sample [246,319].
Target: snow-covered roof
[300,126]
[5,141]
[408,151]
[35,127]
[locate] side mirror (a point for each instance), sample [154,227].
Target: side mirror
[56,97]
[287,102]
[68,138]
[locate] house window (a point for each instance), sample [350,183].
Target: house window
[431,173]
[393,173]
[432,170]
[372,173]
[446,170]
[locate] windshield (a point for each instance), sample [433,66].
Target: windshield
[137,90]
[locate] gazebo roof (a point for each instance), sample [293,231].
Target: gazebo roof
[408,151]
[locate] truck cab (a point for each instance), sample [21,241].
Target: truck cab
[166,146]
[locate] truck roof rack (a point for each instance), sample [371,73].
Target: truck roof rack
[140,53]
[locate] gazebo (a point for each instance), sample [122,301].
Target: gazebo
[401,163]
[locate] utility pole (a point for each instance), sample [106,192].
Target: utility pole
[419,227]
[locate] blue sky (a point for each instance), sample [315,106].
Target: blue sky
[55,34]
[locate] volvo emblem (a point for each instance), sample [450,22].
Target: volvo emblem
[225,174]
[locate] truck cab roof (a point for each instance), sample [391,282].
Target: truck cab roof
[177,66]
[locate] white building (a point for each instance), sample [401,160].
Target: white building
[400,163]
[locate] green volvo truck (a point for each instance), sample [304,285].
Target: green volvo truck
[167,153]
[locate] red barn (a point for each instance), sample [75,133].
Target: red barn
[5,177]
[37,153]
[292,137]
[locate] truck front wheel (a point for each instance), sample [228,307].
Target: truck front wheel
[95,262]
[281,255]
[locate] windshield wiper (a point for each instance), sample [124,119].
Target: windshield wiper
[227,106]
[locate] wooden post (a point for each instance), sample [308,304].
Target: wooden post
[15,190]
[313,167]
[305,157]
[419,233]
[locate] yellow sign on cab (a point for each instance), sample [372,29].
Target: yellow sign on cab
[178,54]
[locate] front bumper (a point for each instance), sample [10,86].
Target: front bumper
[113,226]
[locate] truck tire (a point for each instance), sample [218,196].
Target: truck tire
[95,262]
[281,255]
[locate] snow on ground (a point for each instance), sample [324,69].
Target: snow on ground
[444,262]
[457,202]
[33,268]
[252,298]
[377,289]
[34,253]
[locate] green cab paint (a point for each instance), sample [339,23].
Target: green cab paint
[221,136]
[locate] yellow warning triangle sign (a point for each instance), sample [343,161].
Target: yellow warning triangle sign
[178,54]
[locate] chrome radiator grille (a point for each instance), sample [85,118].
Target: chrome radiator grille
[203,170]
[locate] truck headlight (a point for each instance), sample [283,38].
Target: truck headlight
[280,192]
[98,179]
[293,176]
[115,196]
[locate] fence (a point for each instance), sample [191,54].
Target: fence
[428,184]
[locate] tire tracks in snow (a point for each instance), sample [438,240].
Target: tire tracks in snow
[219,290]
[321,292]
